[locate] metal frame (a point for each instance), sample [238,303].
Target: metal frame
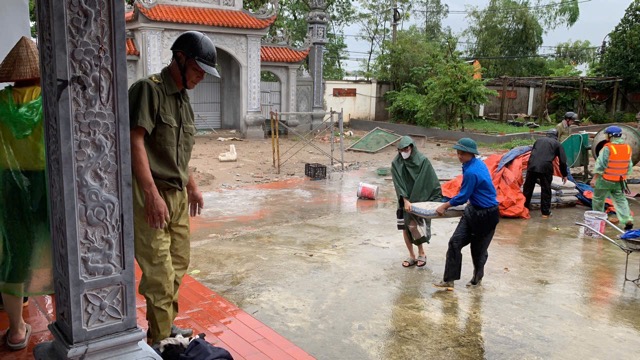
[627,250]
[328,123]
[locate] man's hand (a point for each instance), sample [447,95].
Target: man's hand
[442,209]
[156,211]
[593,181]
[407,205]
[564,180]
[196,202]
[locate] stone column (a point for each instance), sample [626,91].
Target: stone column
[84,79]
[317,20]
[292,75]
[253,118]
[152,54]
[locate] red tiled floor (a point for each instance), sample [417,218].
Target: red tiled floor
[201,309]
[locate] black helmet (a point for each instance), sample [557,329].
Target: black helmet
[553,133]
[571,115]
[199,47]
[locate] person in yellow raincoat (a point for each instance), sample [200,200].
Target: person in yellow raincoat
[25,256]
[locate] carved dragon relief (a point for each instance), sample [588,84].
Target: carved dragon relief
[94,131]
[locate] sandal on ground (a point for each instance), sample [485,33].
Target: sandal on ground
[409,262]
[421,261]
[23,344]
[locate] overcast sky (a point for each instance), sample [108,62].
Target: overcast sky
[597,19]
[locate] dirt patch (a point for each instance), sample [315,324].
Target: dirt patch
[255,158]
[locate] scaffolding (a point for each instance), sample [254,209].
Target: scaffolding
[330,120]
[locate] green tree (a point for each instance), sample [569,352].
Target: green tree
[436,83]
[576,53]
[291,22]
[431,13]
[507,34]
[410,51]
[620,57]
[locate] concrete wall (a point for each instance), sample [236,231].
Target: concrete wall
[361,106]
[14,17]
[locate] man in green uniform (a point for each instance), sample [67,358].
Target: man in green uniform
[164,192]
[612,167]
[415,181]
[564,127]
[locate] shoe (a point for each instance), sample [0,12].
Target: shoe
[446,285]
[628,226]
[421,259]
[180,331]
[474,283]
[23,344]
[547,215]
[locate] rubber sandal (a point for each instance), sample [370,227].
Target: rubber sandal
[422,259]
[23,344]
[409,262]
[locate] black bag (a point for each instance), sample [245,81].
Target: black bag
[200,349]
[400,219]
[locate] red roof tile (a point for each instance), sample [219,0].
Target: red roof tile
[204,16]
[281,54]
[131,47]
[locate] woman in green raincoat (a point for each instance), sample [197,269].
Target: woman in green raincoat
[415,181]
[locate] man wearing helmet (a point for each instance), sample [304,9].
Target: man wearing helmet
[540,169]
[564,127]
[164,192]
[612,167]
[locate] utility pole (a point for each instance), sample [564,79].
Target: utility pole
[394,22]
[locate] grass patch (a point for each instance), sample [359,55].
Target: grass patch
[510,145]
[495,127]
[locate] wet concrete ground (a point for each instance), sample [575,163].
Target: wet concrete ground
[324,269]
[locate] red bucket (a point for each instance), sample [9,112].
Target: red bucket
[367,191]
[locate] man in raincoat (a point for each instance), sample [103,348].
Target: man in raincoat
[415,181]
[610,173]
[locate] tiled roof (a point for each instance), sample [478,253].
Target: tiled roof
[281,54]
[203,16]
[267,53]
[131,48]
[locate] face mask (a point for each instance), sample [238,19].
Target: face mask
[405,154]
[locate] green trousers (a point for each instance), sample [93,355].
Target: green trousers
[163,256]
[619,201]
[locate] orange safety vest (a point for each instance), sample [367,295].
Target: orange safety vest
[618,166]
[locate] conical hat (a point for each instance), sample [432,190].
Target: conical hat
[22,62]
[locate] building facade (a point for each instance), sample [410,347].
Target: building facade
[235,100]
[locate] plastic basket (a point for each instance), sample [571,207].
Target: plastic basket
[315,171]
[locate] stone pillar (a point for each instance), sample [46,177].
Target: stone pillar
[253,119]
[317,20]
[152,54]
[291,91]
[84,79]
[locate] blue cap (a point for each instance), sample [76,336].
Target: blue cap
[613,130]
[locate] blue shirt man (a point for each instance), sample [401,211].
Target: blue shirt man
[477,187]
[479,221]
